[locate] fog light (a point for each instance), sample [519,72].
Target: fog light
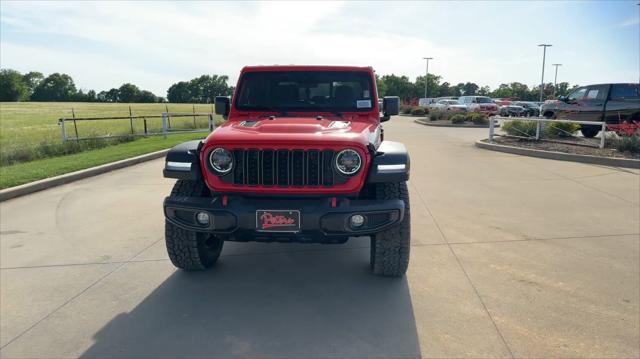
[202,218]
[357,220]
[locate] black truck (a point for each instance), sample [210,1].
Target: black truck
[612,103]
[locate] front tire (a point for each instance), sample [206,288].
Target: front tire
[589,132]
[189,250]
[390,248]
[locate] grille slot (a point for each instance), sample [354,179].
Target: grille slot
[253,167]
[327,168]
[238,171]
[283,168]
[268,167]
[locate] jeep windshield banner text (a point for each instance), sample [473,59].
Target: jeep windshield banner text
[301,158]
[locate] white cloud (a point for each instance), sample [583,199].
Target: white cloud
[630,22]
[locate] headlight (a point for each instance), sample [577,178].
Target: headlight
[221,160]
[348,162]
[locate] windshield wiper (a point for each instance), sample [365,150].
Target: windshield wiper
[280,113]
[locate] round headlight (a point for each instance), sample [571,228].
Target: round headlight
[221,160]
[348,162]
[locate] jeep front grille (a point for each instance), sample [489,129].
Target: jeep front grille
[296,168]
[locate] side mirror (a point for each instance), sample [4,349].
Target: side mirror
[222,105]
[390,105]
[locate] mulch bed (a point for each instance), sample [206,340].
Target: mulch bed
[571,145]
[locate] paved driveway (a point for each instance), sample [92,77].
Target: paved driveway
[511,257]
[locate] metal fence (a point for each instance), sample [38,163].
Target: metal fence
[539,129]
[166,130]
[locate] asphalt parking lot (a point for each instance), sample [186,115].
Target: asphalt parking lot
[512,257]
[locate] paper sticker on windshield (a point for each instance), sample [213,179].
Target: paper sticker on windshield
[363,104]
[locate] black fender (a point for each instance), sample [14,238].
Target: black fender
[183,161]
[390,163]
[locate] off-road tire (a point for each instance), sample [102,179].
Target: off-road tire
[390,248]
[589,132]
[189,250]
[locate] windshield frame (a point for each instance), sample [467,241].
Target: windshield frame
[328,107]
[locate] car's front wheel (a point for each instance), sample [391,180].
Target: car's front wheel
[589,131]
[189,250]
[390,248]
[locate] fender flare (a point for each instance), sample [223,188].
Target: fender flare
[391,163]
[183,161]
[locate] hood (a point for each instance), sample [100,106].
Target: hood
[293,130]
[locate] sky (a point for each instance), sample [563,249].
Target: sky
[155,44]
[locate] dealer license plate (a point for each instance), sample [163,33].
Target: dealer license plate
[277,220]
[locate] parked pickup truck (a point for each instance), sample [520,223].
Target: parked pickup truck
[301,158]
[612,103]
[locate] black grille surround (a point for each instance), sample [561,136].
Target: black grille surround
[284,168]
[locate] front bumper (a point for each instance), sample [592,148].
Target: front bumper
[319,220]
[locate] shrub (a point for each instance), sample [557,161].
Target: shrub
[519,128]
[418,111]
[560,129]
[627,144]
[434,115]
[477,118]
[405,109]
[458,119]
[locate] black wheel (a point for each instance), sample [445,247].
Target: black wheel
[589,132]
[390,248]
[191,250]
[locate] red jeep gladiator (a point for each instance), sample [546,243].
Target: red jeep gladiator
[301,158]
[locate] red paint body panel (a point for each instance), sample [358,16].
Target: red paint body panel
[298,130]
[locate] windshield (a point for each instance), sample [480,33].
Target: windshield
[305,91]
[484,100]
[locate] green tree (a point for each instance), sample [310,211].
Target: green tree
[432,89]
[32,80]
[484,91]
[382,86]
[205,88]
[445,90]
[112,95]
[563,89]
[147,97]
[12,86]
[503,91]
[398,86]
[470,88]
[458,90]
[128,93]
[55,87]
[179,92]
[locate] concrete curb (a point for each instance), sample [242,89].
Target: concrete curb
[43,184]
[420,121]
[560,156]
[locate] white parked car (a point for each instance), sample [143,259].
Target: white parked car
[480,104]
[426,102]
[449,105]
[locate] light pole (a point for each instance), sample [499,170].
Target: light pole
[544,54]
[555,80]
[426,78]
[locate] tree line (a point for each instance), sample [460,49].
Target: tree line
[406,89]
[59,87]
[34,86]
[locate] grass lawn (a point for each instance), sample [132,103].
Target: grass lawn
[21,173]
[29,130]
